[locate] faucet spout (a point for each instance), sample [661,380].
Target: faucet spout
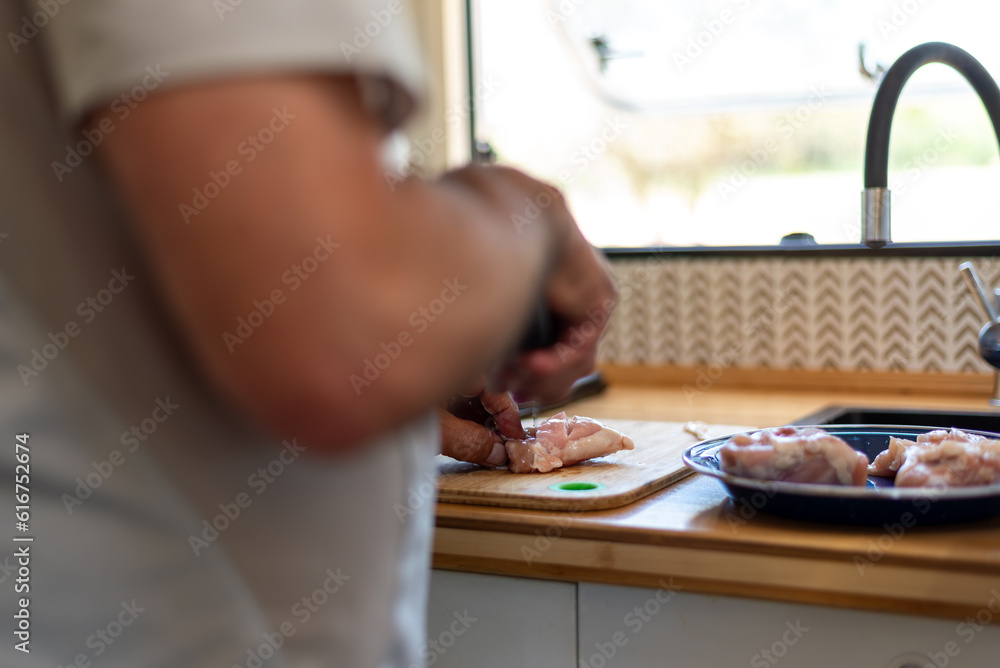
[875,218]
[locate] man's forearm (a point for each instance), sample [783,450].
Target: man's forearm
[363,305]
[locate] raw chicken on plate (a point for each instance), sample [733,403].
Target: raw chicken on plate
[564,441]
[794,454]
[887,462]
[940,458]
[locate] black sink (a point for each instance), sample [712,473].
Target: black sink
[980,421]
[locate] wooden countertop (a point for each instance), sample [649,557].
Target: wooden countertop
[694,533]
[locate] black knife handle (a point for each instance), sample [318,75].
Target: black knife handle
[542,331]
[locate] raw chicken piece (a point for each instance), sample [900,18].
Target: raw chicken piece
[942,435]
[562,441]
[888,461]
[793,454]
[950,459]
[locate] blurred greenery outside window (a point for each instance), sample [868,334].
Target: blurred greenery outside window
[736,122]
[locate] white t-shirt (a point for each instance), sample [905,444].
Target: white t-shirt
[167,532]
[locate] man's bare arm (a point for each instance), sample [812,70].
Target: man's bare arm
[320,183]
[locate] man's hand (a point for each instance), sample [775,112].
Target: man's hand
[577,288]
[465,436]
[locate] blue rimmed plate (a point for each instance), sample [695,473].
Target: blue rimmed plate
[878,503]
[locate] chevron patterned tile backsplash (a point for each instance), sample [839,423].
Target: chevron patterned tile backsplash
[906,314]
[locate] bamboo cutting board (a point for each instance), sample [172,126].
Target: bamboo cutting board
[609,482]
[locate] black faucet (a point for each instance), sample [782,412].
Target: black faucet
[875,225]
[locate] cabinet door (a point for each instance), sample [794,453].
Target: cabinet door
[490,621]
[628,627]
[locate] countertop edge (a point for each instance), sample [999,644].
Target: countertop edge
[833,582]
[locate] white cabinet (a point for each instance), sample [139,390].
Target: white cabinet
[490,621]
[628,627]
[487,621]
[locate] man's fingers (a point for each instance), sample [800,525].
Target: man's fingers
[505,414]
[470,442]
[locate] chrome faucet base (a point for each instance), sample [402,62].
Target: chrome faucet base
[875,219]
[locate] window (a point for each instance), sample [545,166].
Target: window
[737,122]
